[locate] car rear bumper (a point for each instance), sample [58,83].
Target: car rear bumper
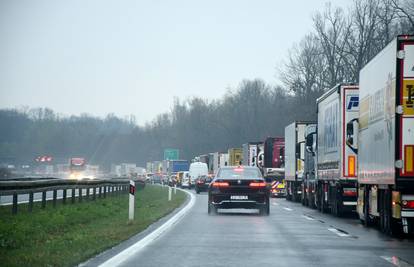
[224,201]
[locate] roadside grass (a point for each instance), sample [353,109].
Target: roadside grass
[72,233]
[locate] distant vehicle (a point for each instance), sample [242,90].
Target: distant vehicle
[156,178]
[148,177]
[202,183]
[250,153]
[184,179]
[197,169]
[235,157]
[77,167]
[238,187]
[172,180]
[275,179]
[294,159]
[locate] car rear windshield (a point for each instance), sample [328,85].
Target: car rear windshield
[239,173]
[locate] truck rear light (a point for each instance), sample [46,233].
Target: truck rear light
[351,165]
[257,184]
[408,204]
[220,184]
[409,159]
[351,192]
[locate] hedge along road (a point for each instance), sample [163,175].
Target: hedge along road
[73,233]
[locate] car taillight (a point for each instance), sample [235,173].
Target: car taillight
[257,184]
[351,192]
[200,182]
[220,184]
[408,204]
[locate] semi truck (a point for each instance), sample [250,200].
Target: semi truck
[250,152]
[336,187]
[235,156]
[309,177]
[384,138]
[294,159]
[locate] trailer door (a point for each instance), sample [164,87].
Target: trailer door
[406,100]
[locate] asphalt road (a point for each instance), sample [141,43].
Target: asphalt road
[292,235]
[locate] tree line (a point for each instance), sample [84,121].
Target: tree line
[341,43]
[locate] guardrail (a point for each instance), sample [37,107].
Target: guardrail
[90,189]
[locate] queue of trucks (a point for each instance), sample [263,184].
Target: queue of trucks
[358,156]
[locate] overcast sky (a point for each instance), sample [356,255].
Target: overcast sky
[134,57]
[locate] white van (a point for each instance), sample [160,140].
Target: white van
[185,179]
[197,169]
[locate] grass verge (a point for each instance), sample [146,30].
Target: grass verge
[72,233]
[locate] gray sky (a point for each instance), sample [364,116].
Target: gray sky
[133,57]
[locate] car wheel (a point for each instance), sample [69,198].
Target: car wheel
[211,209]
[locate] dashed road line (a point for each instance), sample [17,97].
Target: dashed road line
[308,217]
[288,209]
[397,261]
[339,232]
[275,204]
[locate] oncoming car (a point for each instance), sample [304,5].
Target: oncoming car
[238,187]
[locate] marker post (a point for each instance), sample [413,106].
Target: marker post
[131,199]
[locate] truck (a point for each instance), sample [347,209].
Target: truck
[336,188]
[250,152]
[77,168]
[219,160]
[235,156]
[294,159]
[309,176]
[224,160]
[383,135]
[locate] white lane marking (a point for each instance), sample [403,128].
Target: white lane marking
[276,204]
[308,218]
[339,233]
[396,261]
[135,248]
[288,209]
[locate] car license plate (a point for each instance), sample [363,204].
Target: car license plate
[238,197]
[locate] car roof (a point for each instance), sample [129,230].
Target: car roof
[241,166]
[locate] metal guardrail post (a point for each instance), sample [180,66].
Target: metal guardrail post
[54,198]
[100,191]
[73,195]
[14,208]
[30,207]
[94,193]
[80,194]
[104,191]
[87,193]
[43,199]
[64,196]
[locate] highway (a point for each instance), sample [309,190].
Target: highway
[292,235]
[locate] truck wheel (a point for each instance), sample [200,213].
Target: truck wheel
[367,219]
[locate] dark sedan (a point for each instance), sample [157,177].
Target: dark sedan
[202,183]
[238,187]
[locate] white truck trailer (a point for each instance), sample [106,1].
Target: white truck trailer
[294,159]
[386,138]
[336,186]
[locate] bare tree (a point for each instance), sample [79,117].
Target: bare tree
[405,10]
[332,30]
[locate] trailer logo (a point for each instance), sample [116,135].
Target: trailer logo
[352,103]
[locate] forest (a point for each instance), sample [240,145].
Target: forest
[341,43]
